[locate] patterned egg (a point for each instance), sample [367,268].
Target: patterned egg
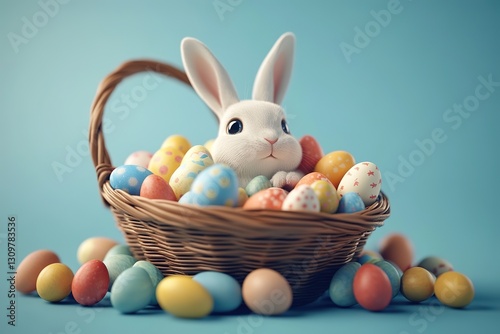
[215,185]
[139,158]
[363,178]
[155,187]
[128,178]
[340,290]
[165,161]
[334,165]
[302,198]
[311,178]
[257,184]
[197,158]
[311,153]
[454,289]
[327,195]
[270,199]
[350,203]
[435,265]
[132,290]
[177,141]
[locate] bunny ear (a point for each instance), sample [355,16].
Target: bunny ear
[208,78]
[274,74]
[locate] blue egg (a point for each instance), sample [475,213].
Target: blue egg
[187,198]
[116,264]
[257,184]
[128,178]
[132,290]
[350,202]
[340,291]
[119,249]
[224,289]
[154,274]
[215,185]
[393,273]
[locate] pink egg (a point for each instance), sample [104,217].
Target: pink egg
[139,158]
[90,283]
[155,187]
[372,287]
[301,198]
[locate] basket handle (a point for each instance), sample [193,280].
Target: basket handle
[97,144]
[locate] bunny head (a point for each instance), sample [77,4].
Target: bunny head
[253,138]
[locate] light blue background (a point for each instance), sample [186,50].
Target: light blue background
[396,90]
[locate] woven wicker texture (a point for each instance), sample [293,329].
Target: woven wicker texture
[306,248]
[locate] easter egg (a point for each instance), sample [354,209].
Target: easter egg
[310,178]
[372,288]
[350,203]
[327,195]
[208,144]
[242,197]
[132,290]
[155,187]
[90,283]
[257,184]
[224,289]
[29,268]
[270,199]
[187,198]
[196,159]
[435,265]
[397,249]
[364,179]
[301,198]
[116,264]
[128,178]
[118,249]
[417,284]
[311,153]
[54,282]
[94,248]
[369,256]
[334,165]
[267,292]
[179,142]
[215,185]
[454,289]
[165,161]
[393,273]
[340,291]
[154,274]
[139,158]
[184,297]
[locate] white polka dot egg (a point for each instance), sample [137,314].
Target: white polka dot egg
[301,198]
[128,178]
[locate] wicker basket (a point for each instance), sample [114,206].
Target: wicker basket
[306,248]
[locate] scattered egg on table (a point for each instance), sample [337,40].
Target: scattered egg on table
[224,289]
[178,141]
[119,249]
[311,153]
[165,161]
[364,179]
[29,268]
[435,265]
[350,203]
[184,297]
[310,178]
[258,183]
[154,274]
[94,248]
[270,199]
[334,165]
[454,289]
[301,198]
[215,185]
[417,284]
[196,159]
[139,158]
[132,290]
[155,187]
[116,264]
[341,291]
[54,282]
[327,195]
[369,256]
[393,273]
[397,249]
[267,292]
[372,288]
[90,283]
[128,178]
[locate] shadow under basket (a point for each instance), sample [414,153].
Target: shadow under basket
[305,247]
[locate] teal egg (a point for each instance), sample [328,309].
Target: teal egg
[119,249]
[132,290]
[224,289]
[341,292]
[116,264]
[257,184]
[154,274]
[128,178]
[393,273]
[350,202]
[215,185]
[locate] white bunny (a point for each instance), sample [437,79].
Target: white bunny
[253,137]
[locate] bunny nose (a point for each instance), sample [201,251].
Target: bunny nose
[271,141]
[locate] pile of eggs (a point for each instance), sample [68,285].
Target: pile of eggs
[333,183]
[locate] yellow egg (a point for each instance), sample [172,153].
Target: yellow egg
[94,248]
[327,195]
[334,165]
[417,284]
[54,282]
[177,141]
[208,144]
[184,297]
[454,289]
[242,197]
[165,161]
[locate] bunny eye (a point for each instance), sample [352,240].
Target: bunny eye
[284,126]
[234,126]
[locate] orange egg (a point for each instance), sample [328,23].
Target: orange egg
[397,249]
[155,187]
[270,199]
[31,266]
[334,165]
[372,287]
[310,178]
